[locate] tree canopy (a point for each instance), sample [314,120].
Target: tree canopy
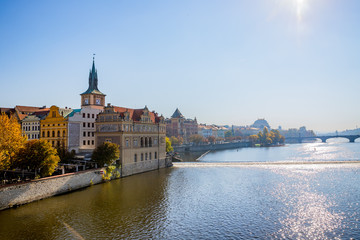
[11,140]
[169,148]
[38,155]
[266,138]
[106,153]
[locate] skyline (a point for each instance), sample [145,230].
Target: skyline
[294,63]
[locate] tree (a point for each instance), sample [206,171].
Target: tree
[169,148]
[38,155]
[11,140]
[196,138]
[174,141]
[211,139]
[253,139]
[64,154]
[228,134]
[106,153]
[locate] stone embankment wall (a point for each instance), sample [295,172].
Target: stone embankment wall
[212,147]
[145,166]
[18,194]
[22,193]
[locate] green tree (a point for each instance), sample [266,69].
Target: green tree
[64,154]
[106,153]
[196,138]
[38,155]
[11,140]
[169,148]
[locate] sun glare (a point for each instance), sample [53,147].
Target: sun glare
[300,7]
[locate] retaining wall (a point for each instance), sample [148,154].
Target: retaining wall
[18,194]
[22,193]
[207,147]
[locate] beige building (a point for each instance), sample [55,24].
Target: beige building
[139,133]
[30,125]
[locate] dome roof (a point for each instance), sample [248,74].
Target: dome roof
[260,123]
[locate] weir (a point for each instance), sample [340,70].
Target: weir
[239,164]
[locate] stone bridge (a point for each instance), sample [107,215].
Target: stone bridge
[299,139]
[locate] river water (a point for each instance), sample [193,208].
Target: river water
[285,201]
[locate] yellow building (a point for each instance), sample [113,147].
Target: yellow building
[54,128]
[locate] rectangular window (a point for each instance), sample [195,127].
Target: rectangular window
[93,134]
[135,158]
[92,142]
[84,134]
[83,115]
[93,116]
[142,157]
[155,155]
[88,134]
[88,124]
[88,142]
[84,124]
[84,142]
[88,115]
[93,125]
[127,143]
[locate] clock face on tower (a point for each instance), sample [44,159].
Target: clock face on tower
[98,101]
[86,101]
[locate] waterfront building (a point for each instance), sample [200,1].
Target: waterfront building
[179,126]
[81,122]
[139,133]
[211,130]
[30,125]
[54,127]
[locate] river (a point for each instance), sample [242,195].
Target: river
[284,201]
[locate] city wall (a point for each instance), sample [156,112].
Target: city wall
[22,193]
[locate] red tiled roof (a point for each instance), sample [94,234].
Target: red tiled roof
[27,108]
[135,114]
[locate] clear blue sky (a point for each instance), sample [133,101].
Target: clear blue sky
[293,62]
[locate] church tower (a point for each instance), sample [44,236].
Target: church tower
[92,96]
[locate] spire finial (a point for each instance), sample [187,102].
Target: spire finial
[93,56]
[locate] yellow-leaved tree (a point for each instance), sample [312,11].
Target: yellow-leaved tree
[11,140]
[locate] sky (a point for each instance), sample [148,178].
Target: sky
[293,62]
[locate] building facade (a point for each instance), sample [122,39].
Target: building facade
[54,127]
[179,126]
[139,133]
[30,125]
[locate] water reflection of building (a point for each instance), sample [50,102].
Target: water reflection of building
[179,126]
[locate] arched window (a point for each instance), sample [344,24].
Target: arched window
[146,142]
[58,133]
[135,157]
[48,134]
[53,133]
[43,134]
[64,133]
[150,142]
[142,142]
[145,156]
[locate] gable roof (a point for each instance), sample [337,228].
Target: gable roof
[177,114]
[135,114]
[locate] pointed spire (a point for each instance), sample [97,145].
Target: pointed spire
[177,114]
[93,80]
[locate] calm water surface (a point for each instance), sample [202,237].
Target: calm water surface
[242,202]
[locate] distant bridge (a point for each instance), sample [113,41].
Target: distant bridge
[299,139]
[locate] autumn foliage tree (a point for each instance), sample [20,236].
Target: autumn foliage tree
[106,153]
[196,138]
[169,148]
[38,156]
[11,140]
[266,138]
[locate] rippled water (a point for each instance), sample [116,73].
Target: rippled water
[241,202]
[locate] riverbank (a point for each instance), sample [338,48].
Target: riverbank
[21,193]
[234,164]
